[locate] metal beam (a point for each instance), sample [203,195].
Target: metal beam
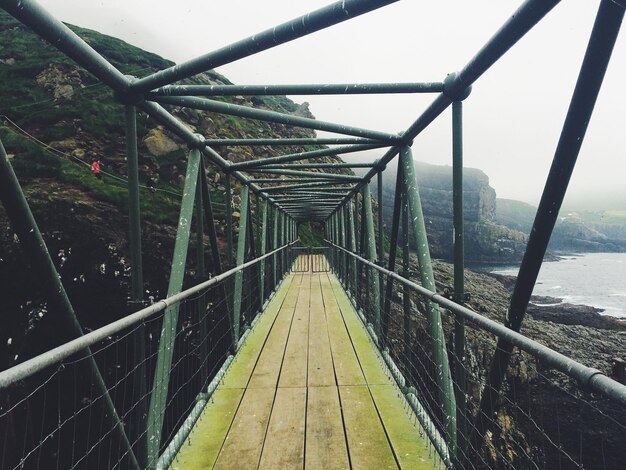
[158,398]
[315,184]
[34,246]
[440,354]
[304,180]
[603,36]
[241,252]
[273,116]
[140,387]
[312,174]
[291,141]
[314,165]
[298,27]
[306,155]
[298,89]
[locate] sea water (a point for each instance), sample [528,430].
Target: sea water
[595,279]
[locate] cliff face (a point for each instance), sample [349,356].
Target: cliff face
[485,240]
[55,118]
[584,231]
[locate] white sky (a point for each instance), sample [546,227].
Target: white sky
[512,119]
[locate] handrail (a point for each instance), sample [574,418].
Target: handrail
[588,377]
[56,355]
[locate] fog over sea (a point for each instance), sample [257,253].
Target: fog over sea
[595,279]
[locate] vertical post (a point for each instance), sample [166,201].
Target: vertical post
[406,293]
[352,246]
[241,253]
[262,251]
[371,256]
[395,228]
[158,398]
[597,56]
[274,246]
[342,242]
[440,356]
[136,297]
[201,275]
[229,222]
[34,246]
[459,270]
[381,236]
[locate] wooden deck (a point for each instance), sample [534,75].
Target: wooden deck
[307,390]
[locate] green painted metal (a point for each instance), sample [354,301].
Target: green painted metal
[23,222]
[370,240]
[393,247]
[241,253]
[305,89]
[291,141]
[158,398]
[140,387]
[440,356]
[381,239]
[597,56]
[319,165]
[459,276]
[338,180]
[314,21]
[273,116]
[229,221]
[352,243]
[294,157]
[406,293]
[263,249]
[201,275]
[308,174]
[316,184]
[274,246]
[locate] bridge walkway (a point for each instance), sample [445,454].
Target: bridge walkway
[307,390]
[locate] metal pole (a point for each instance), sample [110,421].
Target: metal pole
[274,246]
[201,275]
[595,62]
[229,222]
[241,253]
[140,387]
[263,249]
[371,256]
[440,355]
[352,246]
[393,246]
[381,239]
[158,398]
[304,89]
[459,276]
[26,228]
[273,116]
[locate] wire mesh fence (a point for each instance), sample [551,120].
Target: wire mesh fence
[546,419]
[58,417]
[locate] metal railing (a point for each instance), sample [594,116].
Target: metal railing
[552,391]
[51,414]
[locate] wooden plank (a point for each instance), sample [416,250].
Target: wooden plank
[325,438]
[403,429]
[243,445]
[268,366]
[294,368]
[241,368]
[367,443]
[284,444]
[347,368]
[371,362]
[205,441]
[321,372]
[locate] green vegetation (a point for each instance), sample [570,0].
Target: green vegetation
[311,234]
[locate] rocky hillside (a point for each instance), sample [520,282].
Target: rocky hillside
[55,118]
[575,231]
[486,241]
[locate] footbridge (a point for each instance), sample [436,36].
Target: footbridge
[351,354]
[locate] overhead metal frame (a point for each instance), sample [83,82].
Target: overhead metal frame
[324,196]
